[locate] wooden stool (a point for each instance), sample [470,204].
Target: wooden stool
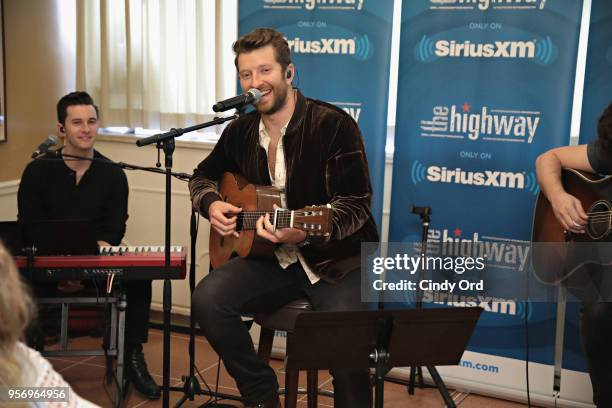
[284,319]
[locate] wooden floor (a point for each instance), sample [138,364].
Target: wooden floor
[86,375]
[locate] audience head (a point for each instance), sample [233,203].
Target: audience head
[16,312]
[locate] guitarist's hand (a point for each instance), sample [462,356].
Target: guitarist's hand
[568,210]
[265,229]
[219,221]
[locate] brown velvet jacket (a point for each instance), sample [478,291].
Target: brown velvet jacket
[326,163]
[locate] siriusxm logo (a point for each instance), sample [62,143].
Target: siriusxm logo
[360,46]
[540,51]
[523,310]
[498,49]
[486,4]
[491,124]
[491,304]
[486,178]
[312,4]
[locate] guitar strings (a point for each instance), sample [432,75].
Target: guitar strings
[283,212]
[283,215]
[602,216]
[249,218]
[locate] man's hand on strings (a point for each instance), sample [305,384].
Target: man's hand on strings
[222,217]
[265,229]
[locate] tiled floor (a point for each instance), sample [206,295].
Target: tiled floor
[86,375]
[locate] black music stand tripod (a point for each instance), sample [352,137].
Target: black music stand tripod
[382,339]
[424,213]
[191,386]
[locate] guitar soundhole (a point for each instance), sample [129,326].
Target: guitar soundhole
[598,226]
[239,222]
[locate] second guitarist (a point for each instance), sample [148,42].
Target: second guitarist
[596,324]
[312,152]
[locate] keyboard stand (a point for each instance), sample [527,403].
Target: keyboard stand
[118,303]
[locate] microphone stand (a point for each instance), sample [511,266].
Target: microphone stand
[166,141]
[191,386]
[57,155]
[424,213]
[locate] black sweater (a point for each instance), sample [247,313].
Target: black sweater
[48,191]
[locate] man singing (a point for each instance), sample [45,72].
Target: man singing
[313,152]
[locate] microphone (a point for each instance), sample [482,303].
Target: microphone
[50,141]
[237,102]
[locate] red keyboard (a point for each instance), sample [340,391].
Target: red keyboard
[129,263]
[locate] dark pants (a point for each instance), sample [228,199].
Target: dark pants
[138,294]
[596,330]
[248,286]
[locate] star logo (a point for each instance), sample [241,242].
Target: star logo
[457,231]
[466,107]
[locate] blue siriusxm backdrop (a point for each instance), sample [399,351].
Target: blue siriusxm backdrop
[484,88]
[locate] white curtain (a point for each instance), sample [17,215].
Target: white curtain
[153,63]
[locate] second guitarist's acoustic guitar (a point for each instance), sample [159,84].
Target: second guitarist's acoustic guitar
[257,201]
[556,253]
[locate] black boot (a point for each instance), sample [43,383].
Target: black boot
[137,374]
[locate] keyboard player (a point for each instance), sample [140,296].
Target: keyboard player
[61,188]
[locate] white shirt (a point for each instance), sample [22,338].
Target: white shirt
[287,254]
[38,372]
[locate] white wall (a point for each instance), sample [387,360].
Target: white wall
[8,200]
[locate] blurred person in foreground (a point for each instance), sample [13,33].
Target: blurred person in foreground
[21,365]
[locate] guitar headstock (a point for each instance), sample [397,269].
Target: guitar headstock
[314,220]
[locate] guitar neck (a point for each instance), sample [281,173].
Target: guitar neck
[280,218]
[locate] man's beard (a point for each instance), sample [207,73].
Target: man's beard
[280,98]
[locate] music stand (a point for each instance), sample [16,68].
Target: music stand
[382,339]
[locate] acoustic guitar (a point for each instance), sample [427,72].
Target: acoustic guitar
[257,201]
[558,254]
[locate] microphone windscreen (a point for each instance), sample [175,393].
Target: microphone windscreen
[256,94]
